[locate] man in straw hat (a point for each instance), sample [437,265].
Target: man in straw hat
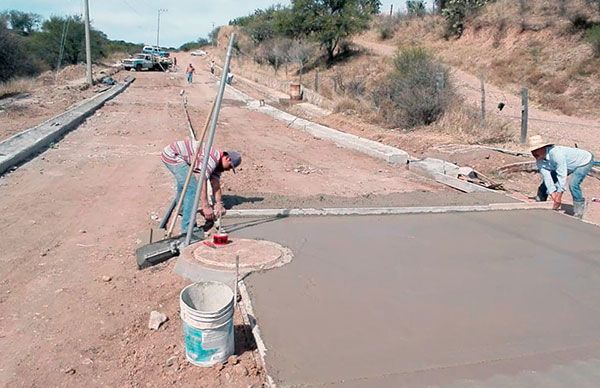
[555,163]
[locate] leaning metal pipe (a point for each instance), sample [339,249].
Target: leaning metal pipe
[209,141]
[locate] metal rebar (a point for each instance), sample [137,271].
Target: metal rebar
[211,137]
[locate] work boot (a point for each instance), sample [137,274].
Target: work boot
[579,208]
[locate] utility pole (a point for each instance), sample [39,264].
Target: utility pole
[158,26]
[88,50]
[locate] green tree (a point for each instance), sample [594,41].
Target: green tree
[457,11]
[415,7]
[14,60]
[66,35]
[200,42]
[23,23]
[213,36]
[329,22]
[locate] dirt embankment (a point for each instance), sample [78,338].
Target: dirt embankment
[50,95]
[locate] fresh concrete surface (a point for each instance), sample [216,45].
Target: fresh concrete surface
[27,144]
[471,299]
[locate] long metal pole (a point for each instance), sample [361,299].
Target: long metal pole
[158,29]
[88,50]
[190,171]
[211,137]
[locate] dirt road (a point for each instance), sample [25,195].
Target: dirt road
[73,307]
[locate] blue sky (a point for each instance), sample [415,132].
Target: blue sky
[136,20]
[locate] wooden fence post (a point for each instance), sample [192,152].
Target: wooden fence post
[482,81]
[524,114]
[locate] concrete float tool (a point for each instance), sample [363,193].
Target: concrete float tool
[159,251]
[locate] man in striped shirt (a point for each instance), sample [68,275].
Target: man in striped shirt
[177,157]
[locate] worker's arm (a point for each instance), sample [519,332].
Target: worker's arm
[218,193]
[548,181]
[561,170]
[206,209]
[561,174]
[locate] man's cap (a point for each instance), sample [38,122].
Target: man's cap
[536,142]
[236,159]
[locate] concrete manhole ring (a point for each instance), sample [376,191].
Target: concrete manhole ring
[255,255]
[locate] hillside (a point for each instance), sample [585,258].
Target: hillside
[544,48]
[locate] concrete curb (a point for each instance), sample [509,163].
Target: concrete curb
[374,211]
[372,148]
[250,319]
[25,145]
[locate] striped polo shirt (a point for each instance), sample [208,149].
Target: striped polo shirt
[182,151]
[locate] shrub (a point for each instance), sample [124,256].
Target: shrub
[416,92]
[415,8]
[456,13]
[387,26]
[593,37]
[579,22]
[15,60]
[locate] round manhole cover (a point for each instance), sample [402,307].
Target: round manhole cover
[255,255]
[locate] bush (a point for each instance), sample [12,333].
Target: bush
[579,22]
[415,8]
[387,26]
[456,13]
[416,92]
[14,61]
[593,37]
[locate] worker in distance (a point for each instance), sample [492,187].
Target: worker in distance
[555,163]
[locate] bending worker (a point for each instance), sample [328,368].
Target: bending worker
[177,158]
[555,163]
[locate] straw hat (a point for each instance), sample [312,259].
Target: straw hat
[536,142]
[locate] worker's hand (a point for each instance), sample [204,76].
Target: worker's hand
[208,213]
[556,199]
[219,210]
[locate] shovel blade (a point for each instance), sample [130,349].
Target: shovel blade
[157,252]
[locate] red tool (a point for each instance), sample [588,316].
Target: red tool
[221,238]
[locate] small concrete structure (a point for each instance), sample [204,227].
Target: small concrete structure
[487,299]
[295,91]
[254,255]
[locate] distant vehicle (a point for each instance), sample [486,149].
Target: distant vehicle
[155,50]
[198,53]
[143,61]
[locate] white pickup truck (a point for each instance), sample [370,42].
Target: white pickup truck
[139,62]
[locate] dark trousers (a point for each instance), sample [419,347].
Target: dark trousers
[542,192]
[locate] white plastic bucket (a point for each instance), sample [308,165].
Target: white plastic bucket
[207,315]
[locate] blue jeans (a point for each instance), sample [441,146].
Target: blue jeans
[180,171]
[189,78]
[578,175]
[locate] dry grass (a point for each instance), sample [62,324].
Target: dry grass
[462,123]
[16,86]
[544,49]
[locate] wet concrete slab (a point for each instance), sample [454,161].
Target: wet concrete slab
[434,299]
